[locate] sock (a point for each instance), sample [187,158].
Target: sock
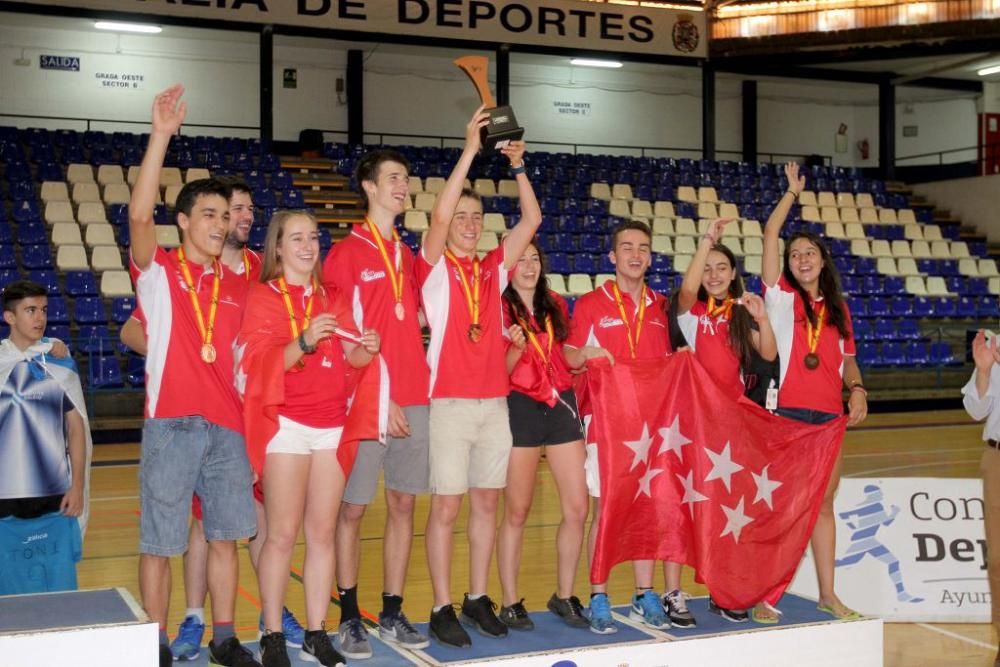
[473,596]
[391,604]
[348,603]
[221,631]
[197,612]
[437,609]
[164,640]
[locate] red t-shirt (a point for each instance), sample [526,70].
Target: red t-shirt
[459,367]
[709,337]
[818,389]
[561,377]
[355,268]
[315,395]
[178,382]
[597,321]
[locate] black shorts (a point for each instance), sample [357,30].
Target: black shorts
[29,508]
[534,424]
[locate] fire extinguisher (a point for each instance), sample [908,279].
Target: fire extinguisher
[864,148]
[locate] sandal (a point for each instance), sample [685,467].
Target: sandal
[846,615]
[765,614]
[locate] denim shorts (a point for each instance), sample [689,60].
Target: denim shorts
[185,455]
[807,416]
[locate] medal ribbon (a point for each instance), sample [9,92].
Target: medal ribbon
[246,264]
[292,320]
[471,294]
[640,316]
[533,339]
[725,308]
[395,271]
[813,334]
[205,329]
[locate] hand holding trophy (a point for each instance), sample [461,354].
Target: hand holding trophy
[502,127]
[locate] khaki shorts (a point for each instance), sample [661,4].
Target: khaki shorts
[470,444]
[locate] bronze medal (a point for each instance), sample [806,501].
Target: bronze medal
[400,311]
[208,353]
[475,333]
[812,361]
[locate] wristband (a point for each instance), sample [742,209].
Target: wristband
[305,347]
[859,387]
[795,195]
[517,171]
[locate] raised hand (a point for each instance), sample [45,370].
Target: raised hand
[714,232]
[514,152]
[984,353]
[169,110]
[479,120]
[796,183]
[517,337]
[754,305]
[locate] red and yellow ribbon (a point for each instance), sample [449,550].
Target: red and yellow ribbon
[204,328]
[633,342]
[471,293]
[395,272]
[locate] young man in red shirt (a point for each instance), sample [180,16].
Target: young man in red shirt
[470,438]
[374,270]
[192,440]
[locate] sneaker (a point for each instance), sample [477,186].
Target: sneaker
[445,628]
[187,645]
[353,639]
[317,647]
[731,615]
[272,651]
[516,617]
[230,653]
[570,610]
[601,621]
[675,602]
[166,657]
[480,614]
[290,627]
[395,627]
[648,609]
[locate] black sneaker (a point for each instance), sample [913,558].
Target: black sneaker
[570,610]
[445,628]
[166,657]
[480,614]
[272,651]
[731,615]
[675,602]
[230,653]
[317,647]
[516,617]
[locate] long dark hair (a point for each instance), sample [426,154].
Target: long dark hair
[543,304]
[740,322]
[829,285]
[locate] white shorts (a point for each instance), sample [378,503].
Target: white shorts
[295,438]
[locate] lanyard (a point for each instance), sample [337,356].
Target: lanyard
[471,293]
[533,339]
[395,271]
[204,328]
[725,308]
[246,264]
[293,322]
[813,334]
[632,342]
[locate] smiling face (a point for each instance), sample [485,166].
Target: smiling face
[632,254]
[805,261]
[390,188]
[466,226]
[206,227]
[240,219]
[718,275]
[528,270]
[27,320]
[298,249]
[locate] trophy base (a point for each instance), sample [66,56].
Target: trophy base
[502,130]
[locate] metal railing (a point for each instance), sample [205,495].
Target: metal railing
[973,154]
[100,123]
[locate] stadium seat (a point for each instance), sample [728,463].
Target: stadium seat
[91,212]
[860,248]
[170,176]
[808,198]
[849,215]
[54,191]
[968,267]
[686,193]
[682,262]
[424,201]
[708,194]
[932,233]
[864,200]
[826,199]
[913,232]
[941,354]
[621,191]
[685,227]
[86,192]
[110,174]
[901,249]
[662,244]
[170,195]
[106,258]
[600,191]
[58,311]
[881,249]
[810,214]
[434,184]
[988,268]
[487,241]
[663,226]
[104,372]
[557,283]
[196,173]
[116,283]
[121,307]
[959,250]
[89,310]
[579,283]
[937,287]
[100,234]
[59,211]
[887,216]
[905,216]
[66,233]
[642,208]
[71,257]
[79,173]
[854,231]
[117,193]
[829,214]
[416,220]
[663,209]
[845,200]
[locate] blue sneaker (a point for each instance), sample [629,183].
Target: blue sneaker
[293,631]
[187,645]
[648,609]
[600,615]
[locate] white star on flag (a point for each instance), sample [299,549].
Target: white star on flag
[735,520]
[690,495]
[645,481]
[673,439]
[722,466]
[640,447]
[765,487]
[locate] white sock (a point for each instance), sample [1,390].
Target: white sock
[197,612]
[476,596]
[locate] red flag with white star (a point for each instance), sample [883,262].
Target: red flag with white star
[691,476]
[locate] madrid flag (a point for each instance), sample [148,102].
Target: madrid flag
[691,476]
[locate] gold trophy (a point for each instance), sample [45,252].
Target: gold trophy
[503,127]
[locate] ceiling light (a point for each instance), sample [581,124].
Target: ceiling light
[986,71]
[590,62]
[127,27]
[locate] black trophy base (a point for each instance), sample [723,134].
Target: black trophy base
[502,130]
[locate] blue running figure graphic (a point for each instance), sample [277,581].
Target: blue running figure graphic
[871,516]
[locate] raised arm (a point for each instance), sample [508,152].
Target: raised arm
[168,114]
[771,264]
[688,294]
[517,241]
[447,199]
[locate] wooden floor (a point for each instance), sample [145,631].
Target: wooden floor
[933,444]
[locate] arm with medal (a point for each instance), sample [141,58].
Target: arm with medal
[771,263]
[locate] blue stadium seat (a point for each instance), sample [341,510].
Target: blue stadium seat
[901,305]
[892,354]
[104,372]
[136,371]
[89,310]
[60,331]
[868,354]
[585,263]
[659,283]
[863,329]
[9,275]
[945,307]
[661,264]
[917,353]
[32,233]
[754,284]
[941,354]
[36,257]
[80,283]
[47,279]
[908,329]
[923,307]
[27,211]
[292,198]
[118,214]
[892,285]
[121,308]
[8,261]
[58,311]
[987,307]
[878,306]
[966,307]
[281,180]
[559,263]
[885,329]
[95,339]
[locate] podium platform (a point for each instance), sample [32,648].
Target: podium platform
[106,628]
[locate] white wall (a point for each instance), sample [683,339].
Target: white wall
[942,125]
[974,200]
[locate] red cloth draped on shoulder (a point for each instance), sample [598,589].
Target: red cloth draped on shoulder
[260,379]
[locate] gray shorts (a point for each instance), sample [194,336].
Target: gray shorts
[404,459]
[185,455]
